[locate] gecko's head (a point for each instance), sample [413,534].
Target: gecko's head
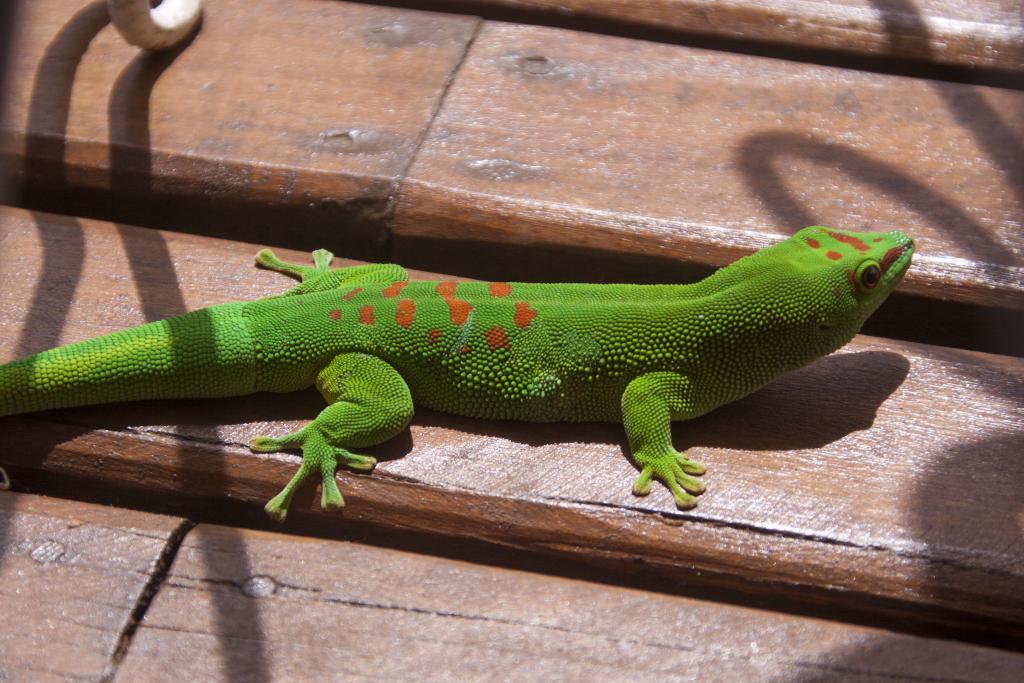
[853,272]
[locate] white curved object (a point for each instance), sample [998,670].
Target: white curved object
[156,28]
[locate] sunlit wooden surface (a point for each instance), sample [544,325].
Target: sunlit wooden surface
[864,516]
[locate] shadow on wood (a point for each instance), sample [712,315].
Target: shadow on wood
[149,259]
[785,415]
[758,154]
[49,107]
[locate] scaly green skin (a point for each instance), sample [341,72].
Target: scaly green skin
[374,344]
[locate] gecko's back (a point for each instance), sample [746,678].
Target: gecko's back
[510,350]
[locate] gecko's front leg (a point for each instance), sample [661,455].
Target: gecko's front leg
[649,404]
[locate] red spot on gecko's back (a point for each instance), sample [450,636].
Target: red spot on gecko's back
[496,338]
[525,313]
[434,336]
[335,314]
[394,289]
[813,243]
[834,255]
[877,240]
[499,289]
[352,293]
[366,315]
[458,309]
[854,242]
[406,312]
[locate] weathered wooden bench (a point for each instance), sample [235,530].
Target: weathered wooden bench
[486,149]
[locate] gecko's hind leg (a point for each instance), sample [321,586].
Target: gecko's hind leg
[370,403]
[321,264]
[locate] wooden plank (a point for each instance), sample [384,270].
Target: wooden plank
[979,33]
[247,605]
[886,478]
[281,118]
[71,575]
[555,138]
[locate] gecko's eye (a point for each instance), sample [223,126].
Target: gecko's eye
[868,275]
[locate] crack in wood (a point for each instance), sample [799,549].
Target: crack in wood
[161,568]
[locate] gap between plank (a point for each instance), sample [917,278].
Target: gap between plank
[442,97]
[875,63]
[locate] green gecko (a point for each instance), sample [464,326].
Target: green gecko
[375,344]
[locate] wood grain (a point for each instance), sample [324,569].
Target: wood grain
[886,478]
[281,117]
[974,33]
[322,609]
[71,575]
[551,138]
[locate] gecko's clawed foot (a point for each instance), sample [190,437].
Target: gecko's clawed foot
[321,264]
[674,470]
[318,456]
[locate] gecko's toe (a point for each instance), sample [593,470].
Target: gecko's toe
[363,463]
[684,501]
[642,485]
[690,466]
[277,508]
[264,444]
[330,496]
[687,482]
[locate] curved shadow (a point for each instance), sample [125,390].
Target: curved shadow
[902,21]
[49,108]
[131,164]
[991,467]
[156,281]
[150,261]
[955,554]
[48,112]
[882,657]
[968,505]
[758,155]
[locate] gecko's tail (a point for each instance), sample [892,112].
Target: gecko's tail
[207,353]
